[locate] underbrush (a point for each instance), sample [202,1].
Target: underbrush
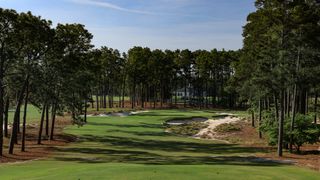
[189,129]
[226,128]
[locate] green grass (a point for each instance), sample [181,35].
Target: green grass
[33,114]
[137,147]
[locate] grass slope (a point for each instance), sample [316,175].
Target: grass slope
[137,147]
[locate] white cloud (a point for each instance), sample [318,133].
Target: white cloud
[111,6]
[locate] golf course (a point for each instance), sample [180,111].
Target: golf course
[137,147]
[159,90]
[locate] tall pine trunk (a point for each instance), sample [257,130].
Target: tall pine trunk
[260,117]
[281,123]
[14,132]
[1,113]
[23,141]
[41,123]
[123,92]
[6,116]
[154,96]
[85,110]
[293,116]
[53,119]
[252,118]
[47,121]
[97,100]
[185,94]
[315,108]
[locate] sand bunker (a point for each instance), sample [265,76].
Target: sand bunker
[185,121]
[209,132]
[116,114]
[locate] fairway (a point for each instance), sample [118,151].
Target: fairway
[137,147]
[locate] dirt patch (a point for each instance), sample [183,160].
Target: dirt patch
[248,137]
[33,150]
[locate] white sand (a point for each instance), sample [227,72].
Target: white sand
[138,112]
[209,132]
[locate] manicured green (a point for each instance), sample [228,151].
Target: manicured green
[136,147]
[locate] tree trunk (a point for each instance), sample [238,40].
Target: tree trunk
[161,95]
[24,120]
[85,110]
[123,92]
[47,121]
[97,100]
[276,107]
[53,119]
[104,95]
[133,96]
[252,118]
[281,123]
[154,96]
[41,123]
[6,117]
[176,96]
[206,94]
[185,94]
[303,103]
[260,117]
[1,116]
[293,116]
[142,95]
[288,103]
[14,136]
[315,108]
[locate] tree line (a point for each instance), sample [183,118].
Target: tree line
[279,70]
[40,65]
[153,77]
[58,70]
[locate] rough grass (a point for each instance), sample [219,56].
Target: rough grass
[227,128]
[137,147]
[189,129]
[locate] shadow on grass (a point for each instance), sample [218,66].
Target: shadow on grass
[145,133]
[122,153]
[117,149]
[170,146]
[141,125]
[142,157]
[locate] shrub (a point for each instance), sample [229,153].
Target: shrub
[305,131]
[225,128]
[189,129]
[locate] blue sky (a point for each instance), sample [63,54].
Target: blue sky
[158,24]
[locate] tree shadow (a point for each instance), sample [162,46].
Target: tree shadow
[155,114]
[170,146]
[145,133]
[140,125]
[142,157]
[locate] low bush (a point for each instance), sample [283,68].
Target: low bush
[225,128]
[189,129]
[305,131]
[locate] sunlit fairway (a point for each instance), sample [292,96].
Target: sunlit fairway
[137,147]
